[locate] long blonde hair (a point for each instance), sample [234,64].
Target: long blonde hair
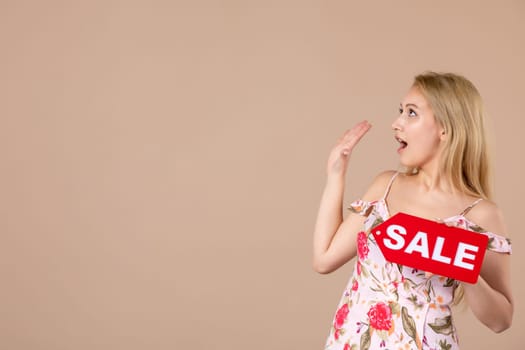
[458,108]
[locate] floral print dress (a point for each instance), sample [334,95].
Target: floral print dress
[394,307]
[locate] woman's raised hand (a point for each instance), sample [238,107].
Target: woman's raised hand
[338,159]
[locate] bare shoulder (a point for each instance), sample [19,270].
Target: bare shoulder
[489,216]
[379,185]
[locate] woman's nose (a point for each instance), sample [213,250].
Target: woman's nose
[396,125]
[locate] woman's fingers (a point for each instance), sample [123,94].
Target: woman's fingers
[428,274]
[338,159]
[361,125]
[353,136]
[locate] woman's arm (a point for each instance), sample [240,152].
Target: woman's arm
[490,299]
[331,247]
[334,241]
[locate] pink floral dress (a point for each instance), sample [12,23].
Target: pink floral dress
[395,307]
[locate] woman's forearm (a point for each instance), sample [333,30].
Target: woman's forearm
[491,307]
[329,216]
[330,249]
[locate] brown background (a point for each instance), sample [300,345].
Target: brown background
[162,162]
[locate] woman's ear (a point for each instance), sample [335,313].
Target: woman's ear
[443,135]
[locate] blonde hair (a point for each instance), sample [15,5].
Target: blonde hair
[458,108]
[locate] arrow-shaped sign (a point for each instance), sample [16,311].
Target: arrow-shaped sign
[430,246]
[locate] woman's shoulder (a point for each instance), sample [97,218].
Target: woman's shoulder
[489,216]
[379,185]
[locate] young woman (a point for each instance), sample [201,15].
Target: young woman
[442,146]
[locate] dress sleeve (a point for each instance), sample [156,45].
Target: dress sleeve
[498,243]
[361,207]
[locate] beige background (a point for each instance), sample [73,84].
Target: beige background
[162,161]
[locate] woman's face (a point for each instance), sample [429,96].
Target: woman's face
[419,134]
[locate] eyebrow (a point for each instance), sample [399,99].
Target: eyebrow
[409,104]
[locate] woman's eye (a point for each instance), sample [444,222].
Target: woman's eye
[400,110]
[412,113]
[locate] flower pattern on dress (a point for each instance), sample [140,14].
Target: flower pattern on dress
[340,317]
[355,285]
[391,306]
[380,316]
[362,245]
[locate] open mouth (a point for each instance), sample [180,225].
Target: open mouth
[403,144]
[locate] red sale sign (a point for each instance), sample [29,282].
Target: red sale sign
[430,246]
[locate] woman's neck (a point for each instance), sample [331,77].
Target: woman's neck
[431,179]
